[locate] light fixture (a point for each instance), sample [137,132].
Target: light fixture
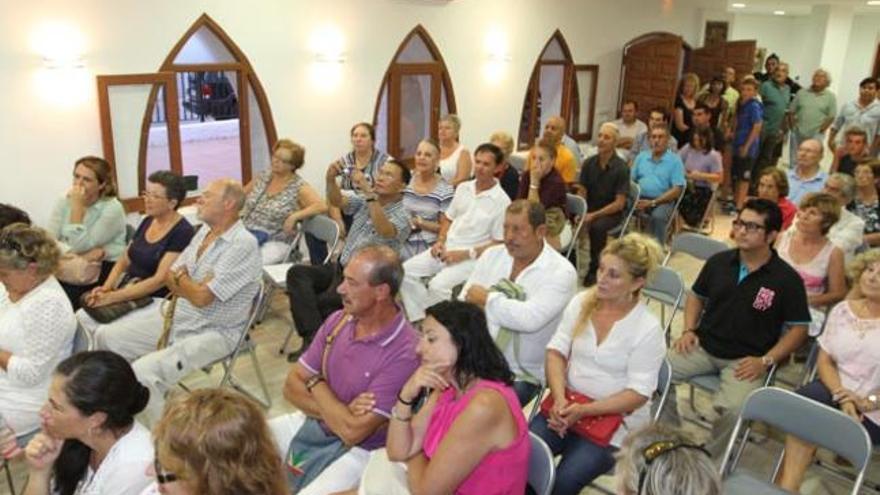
[874,3]
[327,45]
[738,5]
[60,45]
[498,56]
[778,12]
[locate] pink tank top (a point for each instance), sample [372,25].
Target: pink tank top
[814,272]
[502,472]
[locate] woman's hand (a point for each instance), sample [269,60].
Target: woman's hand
[290,223]
[426,376]
[851,410]
[42,451]
[77,195]
[96,254]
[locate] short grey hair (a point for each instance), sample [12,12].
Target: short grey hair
[612,128]
[847,185]
[232,190]
[683,470]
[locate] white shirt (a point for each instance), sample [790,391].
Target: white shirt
[549,282]
[630,130]
[449,165]
[477,218]
[38,330]
[848,233]
[629,358]
[124,470]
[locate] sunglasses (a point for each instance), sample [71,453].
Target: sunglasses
[658,449]
[7,243]
[163,477]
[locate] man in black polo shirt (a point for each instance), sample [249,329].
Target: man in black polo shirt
[735,316]
[605,182]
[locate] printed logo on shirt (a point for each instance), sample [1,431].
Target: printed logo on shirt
[764,299]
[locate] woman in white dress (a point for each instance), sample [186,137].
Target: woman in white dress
[90,443]
[455,159]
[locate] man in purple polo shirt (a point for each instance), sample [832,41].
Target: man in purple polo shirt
[369,359]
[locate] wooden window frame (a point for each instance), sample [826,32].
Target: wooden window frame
[397,72]
[586,134]
[165,80]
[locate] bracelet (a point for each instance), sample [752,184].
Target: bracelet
[313,381]
[398,417]
[532,186]
[405,402]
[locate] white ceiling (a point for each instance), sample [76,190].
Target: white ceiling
[796,7]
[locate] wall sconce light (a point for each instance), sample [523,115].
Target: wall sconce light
[327,45]
[498,57]
[60,45]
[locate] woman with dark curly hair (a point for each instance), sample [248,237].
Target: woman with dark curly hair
[216,441]
[469,436]
[90,443]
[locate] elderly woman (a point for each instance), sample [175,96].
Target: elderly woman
[426,196]
[656,460]
[215,441]
[602,365]
[90,221]
[36,323]
[507,174]
[867,203]
[90,442]
[469,436]
[685,101]
[848,368]
[279,199]
[364,158]
[543,184]
[140,274]
[455,159]
[817,260]
[773,186]
[702,167]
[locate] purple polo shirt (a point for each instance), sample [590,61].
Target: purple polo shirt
[380,364]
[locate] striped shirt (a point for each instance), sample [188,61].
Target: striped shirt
[427,207]
[363,233]
[349,162]
[233,262]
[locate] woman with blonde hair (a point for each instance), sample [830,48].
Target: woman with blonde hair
[455,159]
[216,441]
[685,102]
[90,222]
[278,200]
[602,365]
[36,324]
[848,368]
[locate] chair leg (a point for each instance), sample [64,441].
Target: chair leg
[8,476]
[283,348]
[262,379]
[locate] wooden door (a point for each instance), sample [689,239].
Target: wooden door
[651,67]
[413,107]
[710,61]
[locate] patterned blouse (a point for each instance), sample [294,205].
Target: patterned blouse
[427,207]
[267,212]
[870,213]
[349,162]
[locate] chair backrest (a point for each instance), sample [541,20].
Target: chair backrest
[576,206]
[253,312]
[664,381]
[810,421]
[325,229]
[542,471]
[697,245]
[635,192]
[666,286]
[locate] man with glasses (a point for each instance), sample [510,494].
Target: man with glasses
[735,317]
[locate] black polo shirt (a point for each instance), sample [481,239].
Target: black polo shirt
[603,185]
[746,318]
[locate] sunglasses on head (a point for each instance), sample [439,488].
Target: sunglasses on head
[7,243]
[162,476]
[658,449]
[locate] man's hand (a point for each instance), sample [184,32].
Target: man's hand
[362,404]
[686,343]
[851,410]
[749,369]
[477,294]
[743,151]
[455,256]
[643,204]
[438,250]
[589,217]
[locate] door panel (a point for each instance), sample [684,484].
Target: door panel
[710,61]
[650,71]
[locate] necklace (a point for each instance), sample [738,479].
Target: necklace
[867,323]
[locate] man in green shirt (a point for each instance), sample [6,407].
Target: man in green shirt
[812,111]
[775,95]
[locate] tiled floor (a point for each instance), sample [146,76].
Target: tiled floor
[271,332]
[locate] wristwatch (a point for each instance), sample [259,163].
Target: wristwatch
[767,360]
[653,203]
[313,381]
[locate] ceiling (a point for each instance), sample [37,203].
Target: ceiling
[795,7]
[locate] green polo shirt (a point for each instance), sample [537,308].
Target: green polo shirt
[811,110]
[775,99]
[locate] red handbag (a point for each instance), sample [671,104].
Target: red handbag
[597,429]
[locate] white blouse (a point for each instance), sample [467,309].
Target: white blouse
[38,331]
[449,165]
[124,470]
[629,358]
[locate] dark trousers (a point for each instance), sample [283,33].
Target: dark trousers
[313,296]
[598,231]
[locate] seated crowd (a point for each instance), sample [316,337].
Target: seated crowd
[449,306]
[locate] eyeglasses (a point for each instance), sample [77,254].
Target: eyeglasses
[149,195]
[162,476]
[658,449]
[7,243]
[749,227]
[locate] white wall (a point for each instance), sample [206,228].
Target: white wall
[859,59]
[41,138]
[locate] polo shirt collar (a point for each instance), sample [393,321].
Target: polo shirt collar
[387,335]
[736,260]
[231,232]
[665,154]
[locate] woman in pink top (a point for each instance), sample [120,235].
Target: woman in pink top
[469,436]
[848,368]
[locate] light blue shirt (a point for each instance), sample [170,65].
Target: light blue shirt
[798,188]
[655,177]
[103,226]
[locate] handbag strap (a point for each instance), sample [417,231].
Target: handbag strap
[167,311]
[329,341]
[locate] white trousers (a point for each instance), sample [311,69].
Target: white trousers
[416,296]
[131,336]
[273,252]
[344,474]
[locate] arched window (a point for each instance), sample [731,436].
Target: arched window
[416,91]
[226,125]
[559,87]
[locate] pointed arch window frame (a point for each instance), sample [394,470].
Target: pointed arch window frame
[247,80]
[390,85]
[571,98]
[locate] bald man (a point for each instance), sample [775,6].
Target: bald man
[806,176]
[566,163]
